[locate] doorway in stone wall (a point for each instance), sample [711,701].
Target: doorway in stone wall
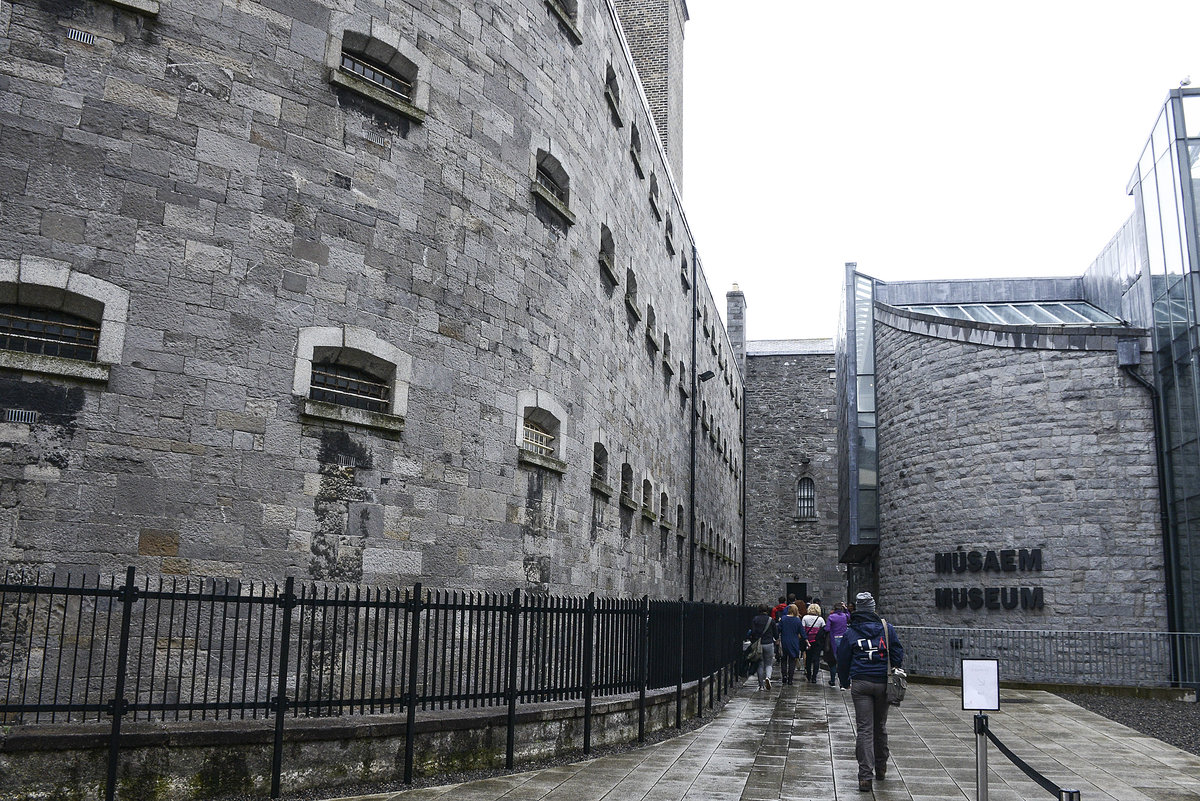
[797,588]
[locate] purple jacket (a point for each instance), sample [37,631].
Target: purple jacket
[838,622]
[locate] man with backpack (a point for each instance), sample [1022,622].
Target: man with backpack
[868,647]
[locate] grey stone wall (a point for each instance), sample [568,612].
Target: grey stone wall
[202,160]
[1002,448]
[791,433]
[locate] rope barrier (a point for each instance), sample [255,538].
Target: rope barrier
[1026,768]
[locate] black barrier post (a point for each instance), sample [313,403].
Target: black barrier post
[643,667]
[288,603]
[981,790]
[119,705]
[589,624]
[410,696]
[514,630]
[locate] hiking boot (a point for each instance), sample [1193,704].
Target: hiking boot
[864,786]
[881,771]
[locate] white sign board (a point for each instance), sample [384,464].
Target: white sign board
[981,684]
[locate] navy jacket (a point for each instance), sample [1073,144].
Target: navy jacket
[862,651]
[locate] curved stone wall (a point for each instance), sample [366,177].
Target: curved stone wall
[1040,460]
[264,209]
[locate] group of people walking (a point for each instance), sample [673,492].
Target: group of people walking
[854,644]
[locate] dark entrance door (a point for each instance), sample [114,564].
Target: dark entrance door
[797,588]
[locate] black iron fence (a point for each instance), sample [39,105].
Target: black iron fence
[91,649]
[1112,658]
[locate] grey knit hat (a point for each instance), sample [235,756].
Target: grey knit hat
[863,602]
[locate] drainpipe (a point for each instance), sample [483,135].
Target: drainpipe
[742,596]
[691,594]
[1129,366]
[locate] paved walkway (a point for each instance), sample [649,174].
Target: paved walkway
[797,744]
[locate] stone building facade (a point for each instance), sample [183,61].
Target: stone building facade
[354,291]
[1014,464]
[791,484]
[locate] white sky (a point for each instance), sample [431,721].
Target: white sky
[921,139]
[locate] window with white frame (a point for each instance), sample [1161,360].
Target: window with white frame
[539,430]
[348,374]
[383,68]
[58,321]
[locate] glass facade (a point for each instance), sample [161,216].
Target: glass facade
[1165,187]
[858,523]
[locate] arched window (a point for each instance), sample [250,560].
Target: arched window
[58,321]
[552,185]
[608,258]
[647,493]
[635,150]
[806,498]
[385,72]
[599,462]
[627,481]
[612,93]
[343,368]
[540,417]
[654,196]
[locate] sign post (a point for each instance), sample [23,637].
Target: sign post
[981,692]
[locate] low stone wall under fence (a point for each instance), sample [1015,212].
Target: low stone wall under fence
[1098,658]
[204,759]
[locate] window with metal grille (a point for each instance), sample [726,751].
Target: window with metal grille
[29,329]
[806,498]
[599,462]
[349,386]
[538,440]
[550,185]
[377,75]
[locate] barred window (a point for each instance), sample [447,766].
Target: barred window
[349,386]
[550,184]
[599,462]
[397,85]
[29,329]
[537,439]
[806,498]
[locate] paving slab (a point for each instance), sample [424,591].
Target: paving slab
[796,743]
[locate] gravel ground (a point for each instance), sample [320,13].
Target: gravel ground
[467,776]
[1173,722]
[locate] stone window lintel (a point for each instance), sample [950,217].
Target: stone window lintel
[361,86]
[568,24]
[556,205]
[528,457]
[380,421]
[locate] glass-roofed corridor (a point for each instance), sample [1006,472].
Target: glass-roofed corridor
[1064,313]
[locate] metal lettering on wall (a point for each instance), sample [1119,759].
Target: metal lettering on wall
[1008,560]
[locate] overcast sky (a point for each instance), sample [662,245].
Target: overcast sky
[920,139]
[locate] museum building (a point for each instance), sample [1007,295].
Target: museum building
[1023,453]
